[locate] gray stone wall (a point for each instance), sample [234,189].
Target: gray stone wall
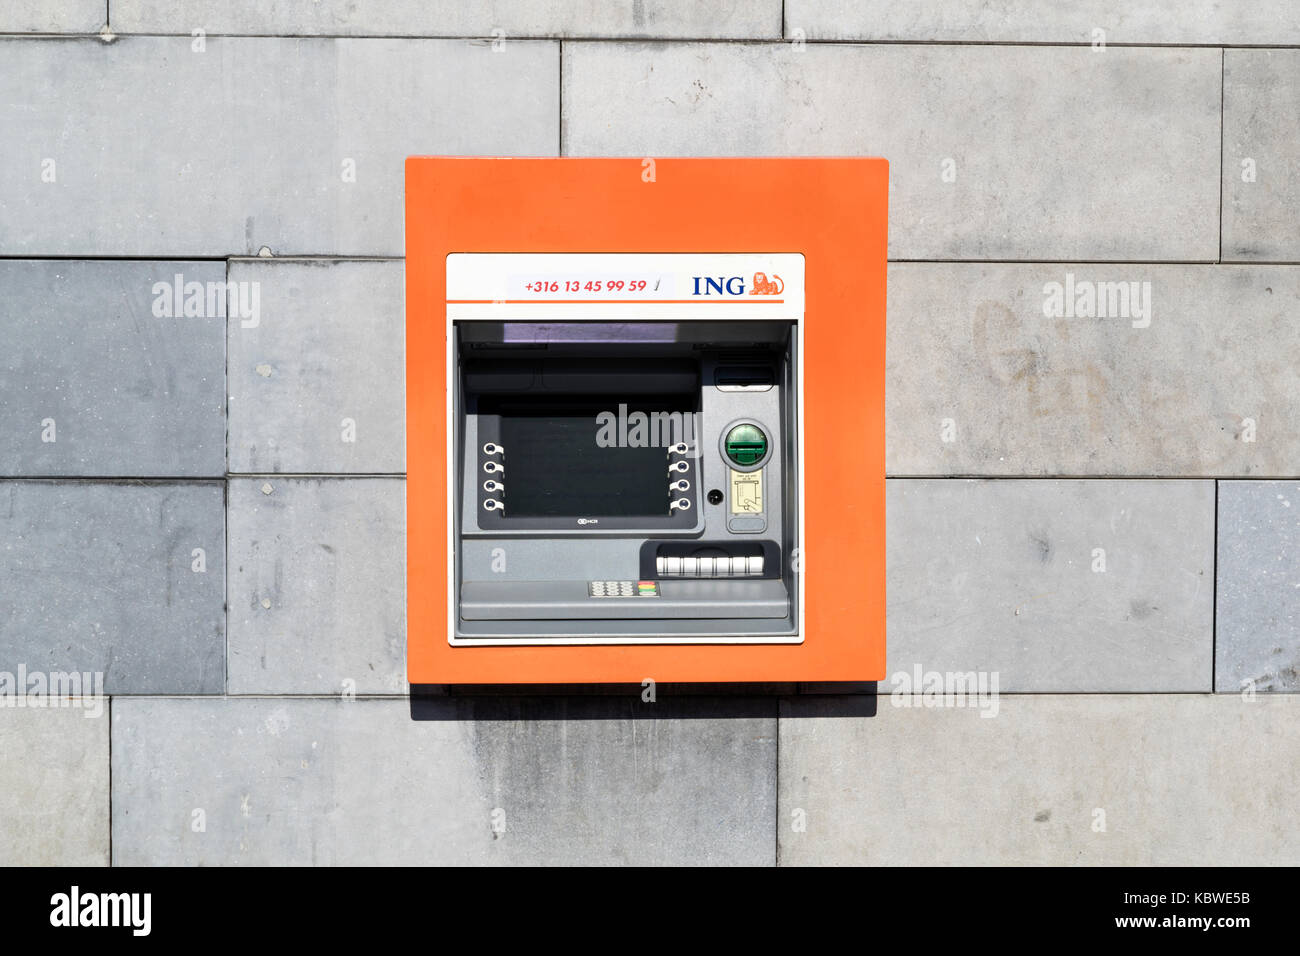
[1097,508]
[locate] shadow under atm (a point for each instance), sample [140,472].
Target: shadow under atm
[621,701]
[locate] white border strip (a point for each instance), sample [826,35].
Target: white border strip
[487,275]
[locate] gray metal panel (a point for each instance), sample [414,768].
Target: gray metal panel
[732,630]
[532,584]
[550,559]
[719,408]
[568,600]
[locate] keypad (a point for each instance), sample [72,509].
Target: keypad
[622,589]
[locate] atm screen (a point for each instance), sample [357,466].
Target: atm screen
[590,455]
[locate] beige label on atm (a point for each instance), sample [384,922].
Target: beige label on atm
[747,492]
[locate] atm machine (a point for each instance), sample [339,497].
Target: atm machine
[626,462]
[609,425]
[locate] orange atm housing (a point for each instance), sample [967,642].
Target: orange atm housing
[645,420]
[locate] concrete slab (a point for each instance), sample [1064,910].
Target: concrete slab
[222,146]
[1200,381]
[686,19]
[1032,21]
[52,16]
[995,152]
[317,586]
[1141,780]
[306,781]
[1005,578]
[102,374]
[124,579]
[1257,641]
[54,804]
[318,383]
[1261,169]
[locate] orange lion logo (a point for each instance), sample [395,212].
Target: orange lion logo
[765,286]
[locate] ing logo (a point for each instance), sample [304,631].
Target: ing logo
[735,285]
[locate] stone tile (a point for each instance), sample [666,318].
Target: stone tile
[175,152]
[757,19]
[104,577]
[1032,21]
[1257,639]
[309,781]
[1176,780]
[95,382]
[998,577]
[1261,167]
[323,363]
[317,586]
[54,804]
[52,16]
[1041,140]
[1207,388]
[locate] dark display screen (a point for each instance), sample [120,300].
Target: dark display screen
[590,455]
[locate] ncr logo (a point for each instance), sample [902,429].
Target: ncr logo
[102,909]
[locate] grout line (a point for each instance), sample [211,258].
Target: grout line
[225,500]
[752,696]
[201,479]
[856,42]
[315,256]
[1223,56]
[121,479]
[1005,477]
[225,584]
[1071,262]
[700,40]
[1214,598]
[473,40]
[110,780]
[226,258]
[401,476]
[776,835]
[65,257]
[269,697]
[316,474]
[893,260]
[559,146]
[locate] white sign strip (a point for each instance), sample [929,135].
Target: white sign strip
[624,285]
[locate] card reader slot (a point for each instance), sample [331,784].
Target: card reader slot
[743,378]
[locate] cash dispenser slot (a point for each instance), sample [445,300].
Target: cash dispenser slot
[747,560]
